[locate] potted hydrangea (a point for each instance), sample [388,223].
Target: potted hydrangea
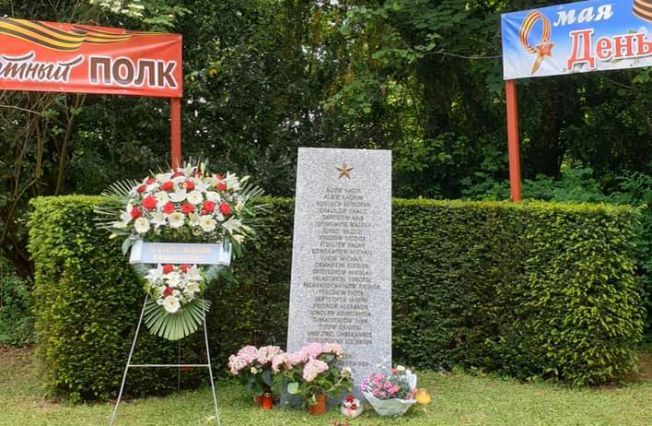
[312,374]
[254,366]
[391,393]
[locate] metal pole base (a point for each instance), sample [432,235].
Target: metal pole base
[178,365]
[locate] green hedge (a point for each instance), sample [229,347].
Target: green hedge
[532,290]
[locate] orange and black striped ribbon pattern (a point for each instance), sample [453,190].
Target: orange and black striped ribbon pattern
[544,47]
[55,38]
[527,26]
[643,9]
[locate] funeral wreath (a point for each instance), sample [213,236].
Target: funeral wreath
[184,205]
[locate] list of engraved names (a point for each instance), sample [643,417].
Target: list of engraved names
[341,276]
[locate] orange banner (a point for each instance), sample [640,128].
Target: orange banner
[56,57]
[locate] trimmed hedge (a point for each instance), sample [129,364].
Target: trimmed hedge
[532,290]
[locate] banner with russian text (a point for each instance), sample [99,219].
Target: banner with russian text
[596,35]
[57,57]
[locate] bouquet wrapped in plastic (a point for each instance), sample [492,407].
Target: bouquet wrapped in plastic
[391,393]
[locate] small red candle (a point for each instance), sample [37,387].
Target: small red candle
[267,402]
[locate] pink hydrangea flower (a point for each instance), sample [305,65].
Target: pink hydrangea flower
[313,350]
[298,357]
[236,363]
[334,348]
[280,360]
[267,353]
[313,368]
[248,353]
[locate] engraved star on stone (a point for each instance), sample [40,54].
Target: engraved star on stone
[345,171]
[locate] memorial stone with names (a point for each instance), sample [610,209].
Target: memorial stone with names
[341,257]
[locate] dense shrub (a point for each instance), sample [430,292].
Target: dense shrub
[578,185]
[87,304]
[16,319]
[538,289]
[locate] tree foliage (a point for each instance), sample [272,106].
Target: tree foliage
[262,77]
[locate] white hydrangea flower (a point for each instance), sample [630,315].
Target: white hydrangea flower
[195,197]
[171,304]
[176,220]
[141,225]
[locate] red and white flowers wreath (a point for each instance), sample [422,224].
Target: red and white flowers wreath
[189,204]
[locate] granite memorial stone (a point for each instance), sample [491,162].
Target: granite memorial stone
[342,259]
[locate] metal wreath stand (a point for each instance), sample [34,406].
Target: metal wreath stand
[149,253]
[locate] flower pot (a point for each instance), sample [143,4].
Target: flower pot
[389,407]
[267,401]
[264,398]
[318,407]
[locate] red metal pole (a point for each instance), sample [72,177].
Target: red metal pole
[175,132]
[512,141]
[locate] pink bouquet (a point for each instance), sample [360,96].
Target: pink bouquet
[390,393]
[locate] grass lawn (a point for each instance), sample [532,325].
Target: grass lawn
[458,399]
